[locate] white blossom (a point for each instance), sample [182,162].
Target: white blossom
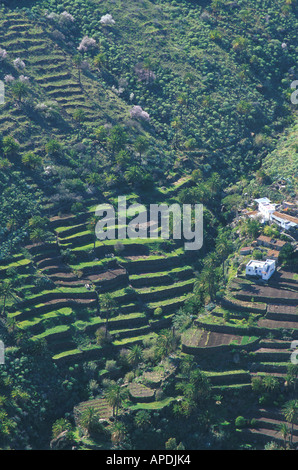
[53,16]
[48,108]
[3,54]
[118,91]
[138,113]
[19,64]
[24,79]
[107,20]
[66,17]
[9,78]
[86,44]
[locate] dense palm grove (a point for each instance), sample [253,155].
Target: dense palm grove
[161,100]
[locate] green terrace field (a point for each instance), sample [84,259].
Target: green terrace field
[139,283]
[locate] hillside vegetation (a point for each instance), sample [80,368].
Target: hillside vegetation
[162,101]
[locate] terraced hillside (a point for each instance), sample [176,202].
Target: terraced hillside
[164,102]
[53,78]
[246,337]
[140,280]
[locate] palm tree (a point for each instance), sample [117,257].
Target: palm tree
[223,248]
[209,277]
[77,60]
[133,176]
[100,60]
[167,342]
[91,227]
[94,179]
[7,292]
[270,383]
[240,44]
[108,306]
[214,184]
[79,116]
[292,374]
[142,419]
[19,90]
[141,145]
[182,100]
[284,431]
[59,426]
[147,65]
[290,412]
[119,433]
[38,235]
[115,396]
[135,355]
[89,419]
[32,160]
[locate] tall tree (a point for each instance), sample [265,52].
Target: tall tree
[107,306]
[115,396]
[19,90]
[135,355]
[290,412]
[141,145]
[91,224]
[7,292]
[77,60]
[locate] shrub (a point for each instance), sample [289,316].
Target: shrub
[157,312]
[76,208]
[240,422]
[129,377]
[102,336]
[111,365]
[159,395]
[142,419]
[118,248]
[226,316]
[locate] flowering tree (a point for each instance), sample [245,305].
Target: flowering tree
[107,20]
[9,78]
[66,18]
[3,54]
[87,44]
[145,73]
[52,16]
[24,79]
[19,64]
[49,109]
[137,112]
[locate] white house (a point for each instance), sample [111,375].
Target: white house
[266,208]
[263,269]
[268,213]
[284,221]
